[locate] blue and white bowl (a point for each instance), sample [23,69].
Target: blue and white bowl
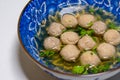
[31,23]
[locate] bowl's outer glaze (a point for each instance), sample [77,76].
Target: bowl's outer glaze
[37,10]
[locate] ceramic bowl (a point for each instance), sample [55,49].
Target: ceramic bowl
[32,20]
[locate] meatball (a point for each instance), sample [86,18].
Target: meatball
[112,36]
[86,43]
[85,19]
[90,58]
[70,53]
[52,43]
[69,20]
[55,29]
[69,37]
[106,51]
[99,27]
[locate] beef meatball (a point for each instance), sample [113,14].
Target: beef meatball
[90,58]
[69,20]
[99,27]
[112,36]
[85,19]
[86,43]
[55,29]
[69,37]
[70,53]
[52,43]
[106,51]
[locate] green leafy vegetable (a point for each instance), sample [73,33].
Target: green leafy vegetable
[78,69]
[79,28]
[47,53]
[90,32]
[104,67]
[117,60]
[91,10]
[85,72]
[83,32]
[87,69]
[90,24]
[99,68]
[112,25]
[96,39]
[42,54]
[70,29]
[94,70]
[94,49]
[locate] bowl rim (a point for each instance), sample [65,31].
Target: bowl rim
[47,68]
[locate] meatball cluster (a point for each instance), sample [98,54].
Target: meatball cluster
[75,46]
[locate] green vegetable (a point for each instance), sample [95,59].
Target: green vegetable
[94,49]
[78,69]
[118,60]
[70,29]
[78,29]
[91,10]
[90,24]
[100,68]
[47,53]
[83,32]
[96,39]
[104,67]
[42,54]
[90,32]
[112,25]
[94,70]
[85,72]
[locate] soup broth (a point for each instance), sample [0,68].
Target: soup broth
[53,56]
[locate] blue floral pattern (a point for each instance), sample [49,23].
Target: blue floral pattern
[37,11]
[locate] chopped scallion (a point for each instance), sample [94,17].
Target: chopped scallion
[47,53]
[78,69]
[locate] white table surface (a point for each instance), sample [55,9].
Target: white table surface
[14,64]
